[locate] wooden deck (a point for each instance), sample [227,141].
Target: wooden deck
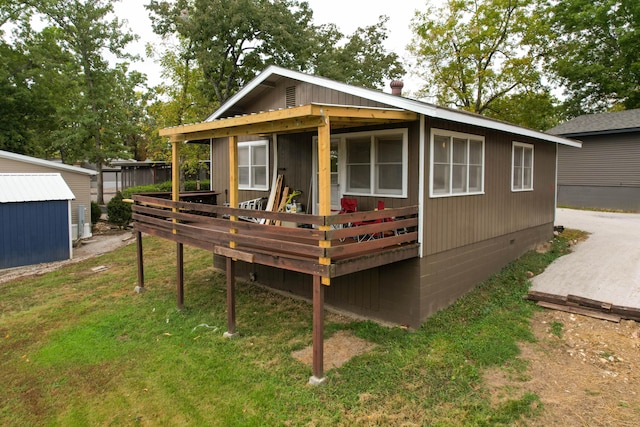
[380,237]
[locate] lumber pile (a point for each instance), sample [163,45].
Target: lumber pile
[277,201]
[585,306]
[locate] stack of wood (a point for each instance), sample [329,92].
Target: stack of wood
[277,201]
[585,306]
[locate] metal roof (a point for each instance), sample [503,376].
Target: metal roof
[590,124]
[33,187]
[408,104]
[46,163]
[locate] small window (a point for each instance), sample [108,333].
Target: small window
[457,164]
[522,167]
[253,165]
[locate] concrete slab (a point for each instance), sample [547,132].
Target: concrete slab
[605,267]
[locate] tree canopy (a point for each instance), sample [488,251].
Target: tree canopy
[595,53]
[233,40]
[472,53]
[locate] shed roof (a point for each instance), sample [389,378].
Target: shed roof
[46,163]
[32,187]
[602,123]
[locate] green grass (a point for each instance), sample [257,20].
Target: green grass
[81,348]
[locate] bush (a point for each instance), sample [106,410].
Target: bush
[163,187]
[118,211]
[96,212]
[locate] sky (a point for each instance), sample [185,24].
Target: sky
[348,15]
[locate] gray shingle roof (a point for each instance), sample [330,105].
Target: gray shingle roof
[620,121]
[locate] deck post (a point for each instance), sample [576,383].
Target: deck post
[180,275]
[324,185]
[318,332]
[231,299]
[140,287]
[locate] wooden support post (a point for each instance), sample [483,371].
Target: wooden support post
[324,185]
[180,275]
[140,287]
[231,299]
[318,332]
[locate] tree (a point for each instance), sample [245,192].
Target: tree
[361,61]
[595,53]
[233,40]
[473,53]
[93,123]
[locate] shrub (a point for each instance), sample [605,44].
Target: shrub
[162,187]
[96,212]
[118,211]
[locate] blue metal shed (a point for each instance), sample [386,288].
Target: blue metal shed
[35,219]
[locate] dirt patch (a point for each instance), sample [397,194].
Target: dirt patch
[105,238]
[338,350]
[586,371]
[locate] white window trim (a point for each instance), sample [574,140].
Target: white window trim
[251,186]
[524,145]
[453,134]
[342,162]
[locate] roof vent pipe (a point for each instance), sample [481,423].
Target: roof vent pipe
[396,87]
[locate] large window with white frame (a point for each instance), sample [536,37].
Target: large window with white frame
[521,167]
[253,165]
[376,163]
[457,164]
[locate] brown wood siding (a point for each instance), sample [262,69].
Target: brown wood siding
[275,98]
[448,275]
[79,183]
[603,161]
[453,222]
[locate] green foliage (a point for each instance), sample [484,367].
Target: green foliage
[96,212]
[595,53]
[228,42]
[119,211]
[163,187]
[473,53]
[556,329]
[127,356]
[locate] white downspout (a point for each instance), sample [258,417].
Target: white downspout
[421,176]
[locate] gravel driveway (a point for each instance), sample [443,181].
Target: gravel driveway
[605,267]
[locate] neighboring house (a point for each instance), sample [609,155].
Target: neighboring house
[35,219]
[78,180]
[465,195]
[605,173]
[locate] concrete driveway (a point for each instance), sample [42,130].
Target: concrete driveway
[605,267]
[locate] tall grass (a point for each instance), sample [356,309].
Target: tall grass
[81,348]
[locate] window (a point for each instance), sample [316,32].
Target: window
[522,167]
[376,163]
[457,164]
[253,165]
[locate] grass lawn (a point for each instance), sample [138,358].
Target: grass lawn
[81,348]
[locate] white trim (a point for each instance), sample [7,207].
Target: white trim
[391,100]
[252,185]
[461,135]
[524,145]
[421,173]
[41,162]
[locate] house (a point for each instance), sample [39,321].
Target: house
[35,219]
[463,195]
[78,180]
[605,173]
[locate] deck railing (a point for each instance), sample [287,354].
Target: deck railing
[292,241]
